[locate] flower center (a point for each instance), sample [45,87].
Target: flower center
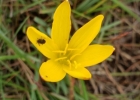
[66,57]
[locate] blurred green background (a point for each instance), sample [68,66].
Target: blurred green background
[117,78]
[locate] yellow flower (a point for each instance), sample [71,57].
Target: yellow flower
[69,56]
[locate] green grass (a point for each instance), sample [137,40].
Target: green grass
[20,60]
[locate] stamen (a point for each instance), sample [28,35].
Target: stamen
[61,51]
[69,63]
[62,58]
[76,64]
[66,49]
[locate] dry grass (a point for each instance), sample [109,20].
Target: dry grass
[115,79]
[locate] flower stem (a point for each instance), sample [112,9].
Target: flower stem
[71,89]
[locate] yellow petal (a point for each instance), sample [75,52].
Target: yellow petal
[94,54]
[51,71]
[61,25]
[84,36]
[80,73]
[46,46]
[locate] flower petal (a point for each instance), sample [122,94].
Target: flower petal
[80,73]
[51,71]
[61,25]
[94,54]
[46,47]
[84,36]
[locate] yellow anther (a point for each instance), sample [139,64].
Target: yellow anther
[62,58]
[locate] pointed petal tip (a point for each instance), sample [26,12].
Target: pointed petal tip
[29,28]
[113,48]
[101,16]
[86,78]
[66,1]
